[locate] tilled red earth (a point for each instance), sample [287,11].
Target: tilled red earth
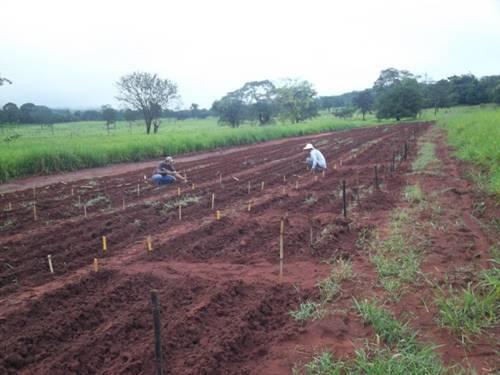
[223,311]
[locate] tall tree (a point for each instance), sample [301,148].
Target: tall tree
[26,113]
[11,113]
[439,94]
[297,101]
[146,92]
[259,97]
[364,101]
[401,99]
[230,109]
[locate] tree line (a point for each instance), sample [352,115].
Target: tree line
[394,94]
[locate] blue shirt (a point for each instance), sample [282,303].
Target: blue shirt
[317,159]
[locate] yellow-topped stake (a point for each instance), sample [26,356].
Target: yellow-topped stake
[262,185]
[149,244]
[104,245]
[96,265]
[213,201]
[217,215]
[178,191]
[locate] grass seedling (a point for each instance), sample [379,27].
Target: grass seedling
[308,311]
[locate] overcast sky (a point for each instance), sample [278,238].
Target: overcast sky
[69,53]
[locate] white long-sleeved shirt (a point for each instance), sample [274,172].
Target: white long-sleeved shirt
[317,159]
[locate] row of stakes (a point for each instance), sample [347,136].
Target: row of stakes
[149,245]
[403,156]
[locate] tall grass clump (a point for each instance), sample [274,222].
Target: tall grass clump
[474,132]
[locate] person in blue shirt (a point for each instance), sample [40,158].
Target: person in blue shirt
[165,173]
[316,161]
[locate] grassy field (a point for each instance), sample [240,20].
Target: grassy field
[475,134]
[29,150]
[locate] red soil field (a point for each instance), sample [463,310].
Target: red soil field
[222,308]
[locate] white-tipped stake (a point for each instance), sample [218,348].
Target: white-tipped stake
[284,178]
[96,265]
[249,187]
[262,185]
[180,211]
[123,203]
[138,190]
[85,210]
[79,201]
[72,191]
[149,244]
[213,201]
[249,206]
[49,257]
[297,184]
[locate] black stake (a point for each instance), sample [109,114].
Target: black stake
[344,198]
[156,322]
[376,177]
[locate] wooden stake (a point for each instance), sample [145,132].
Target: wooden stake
[344,198]
[49,257]
[282,231]
[35,217]
[376,177]
[323,173]
[284,190]
[249,205]
[123,203]
[213,201]
[217,215]
[96,265]
[10,206]
[180,211]
[262,186]
[104,245]
[85,210]
[284,178]
[297,184]
[157,329]
[311,238]
[192,186]
[178,191]
[149,245]
[72,191]
[249,187]
[220,178]
[138,190]
[79,202]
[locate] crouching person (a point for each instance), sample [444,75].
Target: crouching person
[315,161]
[165,173]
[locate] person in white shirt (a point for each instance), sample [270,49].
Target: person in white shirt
[316,161]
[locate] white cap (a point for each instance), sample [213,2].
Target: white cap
[308,147]
[169,159]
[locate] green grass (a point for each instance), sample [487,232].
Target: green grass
[426,156]
[468,312]
[307,311]
[402,354]
[474,132]
[79,145]
[330,287]
[397,258]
